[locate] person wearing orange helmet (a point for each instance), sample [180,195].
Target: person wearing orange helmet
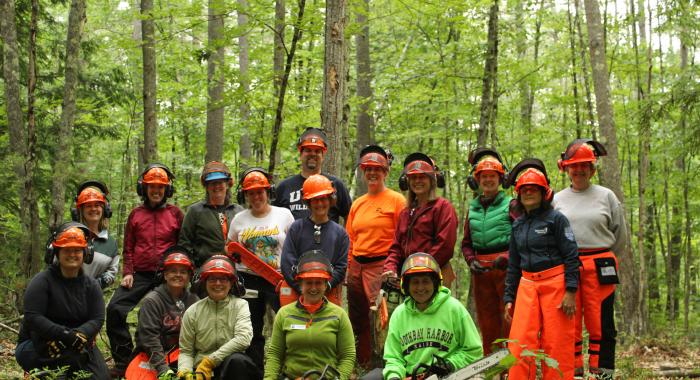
[370,226]
[598,221]
[262,229]
[312,146]
[161,311]
[428,223]
[216,330]
[63,310]
[543,270]
[92,208]
[205,228]
[150,230]
[487,229]
[431,332]
[317,231]
[312,332]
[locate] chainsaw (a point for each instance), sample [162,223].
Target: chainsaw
[484,368]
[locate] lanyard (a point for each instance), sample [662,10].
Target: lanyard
[224,224]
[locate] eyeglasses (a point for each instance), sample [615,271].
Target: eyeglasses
[317,234]
[218,279]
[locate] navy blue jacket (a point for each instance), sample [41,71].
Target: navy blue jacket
[300,238]
[541,240]
[288,194]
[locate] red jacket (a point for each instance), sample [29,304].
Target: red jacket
[149,232]
[434,231]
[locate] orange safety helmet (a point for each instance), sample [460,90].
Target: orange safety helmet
[314,138]
[420,262]
[489,162]
[581,150]
[217,264]
[314,264]
[317,186]
[178,258]
[374,159]
[532,176]
[156,176]
[90,194]
[255,180]
[72,237]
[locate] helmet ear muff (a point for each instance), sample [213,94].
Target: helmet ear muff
[240,194]
[169,189]
[51,251]
[403,181]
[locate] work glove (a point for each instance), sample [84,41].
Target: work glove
[441,367]
[55,348]
[206,367]
[476,267]
[501,263]
[79,341]
[185,374]
[167,375]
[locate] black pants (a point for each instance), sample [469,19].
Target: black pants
[266,295]
[375,374]
[238,366]
[123,301]
[91,360]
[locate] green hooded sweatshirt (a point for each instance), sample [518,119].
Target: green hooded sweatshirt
[444,329]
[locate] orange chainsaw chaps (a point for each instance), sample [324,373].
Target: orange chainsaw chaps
[140,368]
[383,314]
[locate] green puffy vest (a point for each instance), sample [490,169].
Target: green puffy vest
[490,228]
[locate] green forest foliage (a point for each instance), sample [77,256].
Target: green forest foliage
[427,62]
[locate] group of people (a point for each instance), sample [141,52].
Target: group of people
[541,264]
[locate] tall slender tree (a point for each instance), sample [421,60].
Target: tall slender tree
[64,137]
[245,145]
[215,82]
[365,121]
[488,88]
[148,48]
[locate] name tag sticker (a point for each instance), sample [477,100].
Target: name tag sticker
[298,327]
[608,271]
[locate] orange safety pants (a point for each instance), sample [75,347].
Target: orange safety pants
[594,307]
[488,296]
[539,323]
[364,282]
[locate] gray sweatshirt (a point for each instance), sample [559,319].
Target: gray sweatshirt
[596,216]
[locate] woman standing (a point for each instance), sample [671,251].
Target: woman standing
[262,229]
[216,330]
[317,232]
[160,315]
[312,332]
[63,309]
[428,223]
[543,269]
[370,226]
[93,210]
[598,222]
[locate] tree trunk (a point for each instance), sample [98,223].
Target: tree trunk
[333,115]
[365,121]
[64,137]
[650,246]
[245,145]
[610,173]
[584,72]
[215,83]
[150,125]
[688,219]
[279,52]
[574,68]
[490,67]
[276,128]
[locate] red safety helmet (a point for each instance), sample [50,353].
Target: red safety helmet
[314,264]
[317,186]
[418,163]
[255,180]
[489,162]
[156,176]
[217,264]
[374,159]
[90,194]
[178,258]
[73,237]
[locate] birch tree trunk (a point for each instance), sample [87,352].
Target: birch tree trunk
[365,121]
[150,125]
[488,82]
[610,172]
[333,115]
[64,137]
[215,82]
